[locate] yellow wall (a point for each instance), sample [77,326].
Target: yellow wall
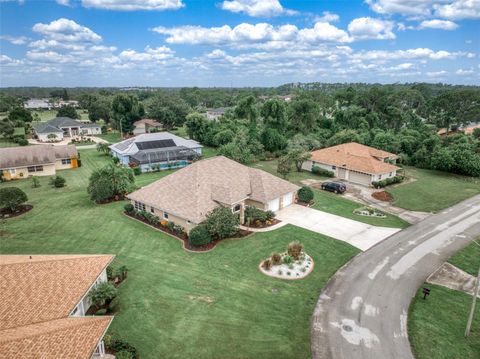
[253,203]
[22,172]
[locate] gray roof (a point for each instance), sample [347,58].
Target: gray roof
[11,157]
[129,147]
[55,125]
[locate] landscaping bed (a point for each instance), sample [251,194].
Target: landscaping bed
[306,204]
[6,213]
[265,224]
[369,212]
[382,196]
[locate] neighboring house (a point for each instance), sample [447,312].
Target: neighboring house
[44,300]
[466,129]
[160,150]
[354,162]
[37,103]
[215,113]
[60,127]
[185,197]
[38,160]
[145,126]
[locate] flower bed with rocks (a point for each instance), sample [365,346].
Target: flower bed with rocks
[369,212]
[7,213]
[292,264]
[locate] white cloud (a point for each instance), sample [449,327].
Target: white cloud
[449,9]
[418,53]
[66,30]
[322,32]
[15,40]
[368,28]
[8,61]
[438,24]
[159,53]
[257,8]
[131,5]
[436,73]
[327,16]
[463,72]
[64,2]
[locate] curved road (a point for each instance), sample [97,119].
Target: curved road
[362,312]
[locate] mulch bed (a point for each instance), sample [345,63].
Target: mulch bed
[6,213]
[116,198]
[184,238]
[273,222]
[305,204]
[382,196]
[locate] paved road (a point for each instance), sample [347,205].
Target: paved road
[358,234]
[362,312]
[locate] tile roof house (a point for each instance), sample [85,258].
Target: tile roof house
[215,113]
[44,300]
[38,160]
[160,150]
[355,162]
[145,126]
[60,127]
[188,195]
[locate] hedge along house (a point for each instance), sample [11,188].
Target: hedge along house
[44,301]
[186,197]
[355,163]
[161,150]
[61,127]
[38,160]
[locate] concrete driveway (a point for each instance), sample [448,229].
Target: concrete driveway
[358,234]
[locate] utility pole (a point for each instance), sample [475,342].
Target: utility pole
[474,301]
[121,133]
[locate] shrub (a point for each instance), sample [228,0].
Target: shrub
[110,181]
[118,345]
[178,229]
[305,194]
[12,197]
[101,312]
[317,170]
[270,215]
[199,236]
[276,259]
[123,354]
[295,249]
[163,222]
[137,171]
[103,294]
[35,182]
[171,225]
[267,264]
[129,208]
[253,214]
[287,259]
[115,160]
[151,218]
[57,181]
[22,142]
[222,223]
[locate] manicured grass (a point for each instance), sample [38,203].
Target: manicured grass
[294,176]
[436,325]
[111,137]
[46,115]
[335,204]
[209,152]
[433,190]
[177,304]
[7,143]
[467,259]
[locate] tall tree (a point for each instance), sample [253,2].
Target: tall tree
[274,115]
[68,111]
[170,110]
[125,111]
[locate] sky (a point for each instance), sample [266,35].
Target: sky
[236,43]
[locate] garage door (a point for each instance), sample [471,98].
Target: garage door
[361,178]
[342,173]
[274,204]
[287,199]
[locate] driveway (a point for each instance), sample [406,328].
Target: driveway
[362,312]
[66,141]
[358,234]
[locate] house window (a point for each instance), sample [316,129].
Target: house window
[35,168]
[152,209]
[165,215]
[66,161]
[11,171]
[188,222]
[379,176]
[391,174]
[139,206]
[334,167]
[237,208]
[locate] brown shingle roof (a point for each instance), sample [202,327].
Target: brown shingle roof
[37,295]
[34,155]
[147,121]
[195,190]
[357,157]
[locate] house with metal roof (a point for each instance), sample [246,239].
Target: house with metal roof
[44,304]
[60,127]
[157,151]
[38,160]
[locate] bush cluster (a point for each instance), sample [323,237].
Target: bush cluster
[295,249]
[137,171]
[199,236]
[129,208]
[149,217]
[57,181]
[120,345]
[387,182]
[253,214]
[317,170]
[12,197]
[305,194]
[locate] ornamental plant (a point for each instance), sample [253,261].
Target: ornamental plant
[12,198]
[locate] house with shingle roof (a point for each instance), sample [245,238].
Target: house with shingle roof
[355,163]
[145,125]
[160,150]
[186,197]
[59,127]
[38,160]
[44,301]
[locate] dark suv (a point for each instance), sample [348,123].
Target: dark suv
[336,187]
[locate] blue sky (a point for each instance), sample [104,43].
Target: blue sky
[237,42]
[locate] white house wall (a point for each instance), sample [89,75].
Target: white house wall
[44,136]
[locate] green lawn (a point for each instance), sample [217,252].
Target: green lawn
[467,259]
[46,115]
[433,190]
[177,304]
[294,176]
[111,137]
[436,326]
[7,143]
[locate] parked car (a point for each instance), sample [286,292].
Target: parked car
[336,187]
